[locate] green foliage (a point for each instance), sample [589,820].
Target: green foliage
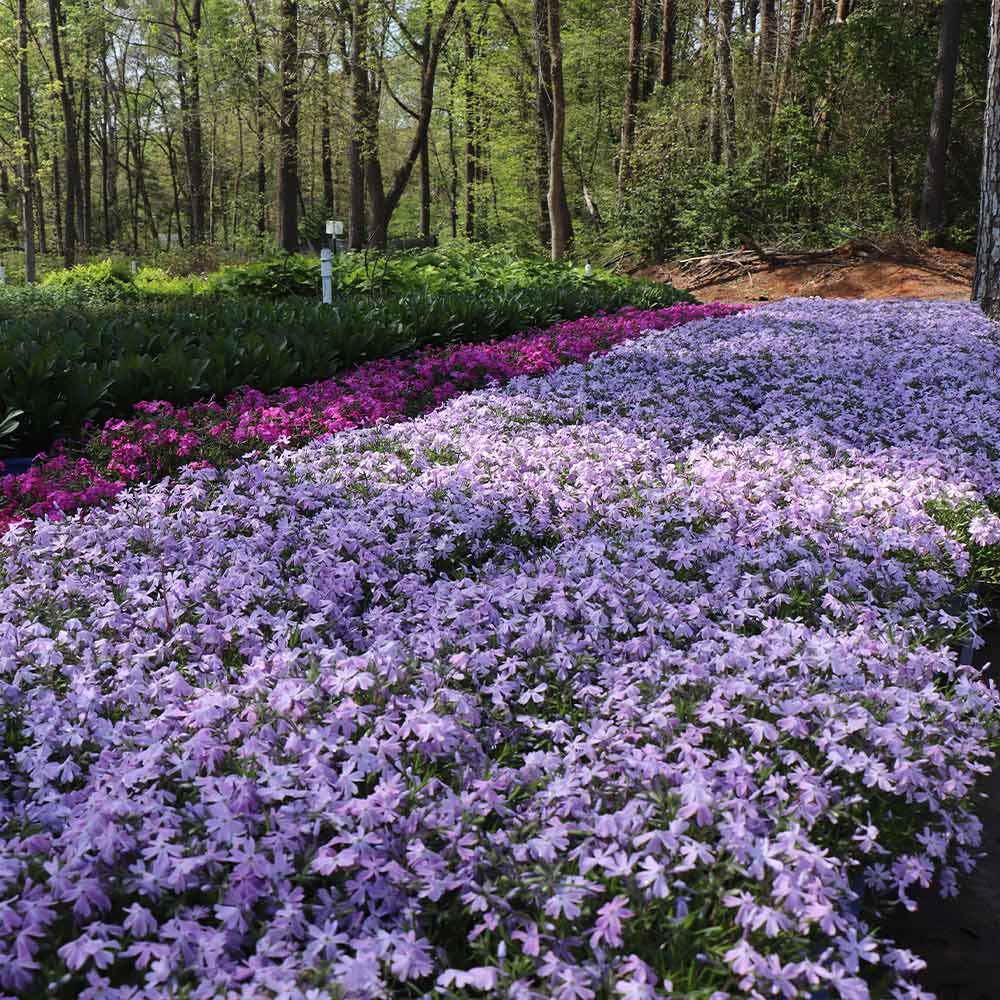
[9,424]
[66,359]
[103,279]
[277,278]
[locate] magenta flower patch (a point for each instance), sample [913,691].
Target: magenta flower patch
[164,438]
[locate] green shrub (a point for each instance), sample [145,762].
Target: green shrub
[108,279]
[268,279]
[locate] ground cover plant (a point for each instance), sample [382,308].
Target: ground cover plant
[615,682]
[78,351]
[162,438]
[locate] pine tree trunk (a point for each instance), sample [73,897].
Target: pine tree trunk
[724,82]
[87,179]
[288,159]
[795,19]
[668,41]
[24,134]
[817,17]
[559,217]
[325,140]
[932,200]
[986,288]
[631,95]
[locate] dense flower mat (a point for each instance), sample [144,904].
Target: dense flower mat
[163,438]
[609,683]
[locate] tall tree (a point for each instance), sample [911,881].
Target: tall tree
[383,201]
[71,147]
[24,138]
[932,199]
[668,40]
[986,287]
[725,87]
[188,73]
[288,131]
[359,124]
[631,94]
[560,223]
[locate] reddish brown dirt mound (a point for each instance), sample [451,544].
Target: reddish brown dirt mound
[935,274]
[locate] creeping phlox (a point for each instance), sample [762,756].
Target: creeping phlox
[622,682]
[163,438]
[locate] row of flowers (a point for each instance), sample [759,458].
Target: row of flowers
[617,682]
[162,438]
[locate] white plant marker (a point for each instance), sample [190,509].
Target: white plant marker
[326,273]
[3,275]
[135,267]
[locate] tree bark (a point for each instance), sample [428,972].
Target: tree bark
[71,145]
[668,41]
[932,199]
[631,95]
[288,132]
[795,20]
[355,145]
[24,135]
[325,141]
[724,82]
[471,130]
[559,218]
[817,17]
[986,288]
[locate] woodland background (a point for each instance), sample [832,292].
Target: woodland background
[599,128]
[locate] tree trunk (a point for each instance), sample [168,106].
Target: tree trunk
[795,20]
[87,180]
[325,142]
[24,134]
[986,288]
[765,57]
[359,102]
[189,100]
[288,159]
[932,200]
[724,82]
[559,218]
[668,40]
[631,95]
[71,144]
[471,149]
[817,17]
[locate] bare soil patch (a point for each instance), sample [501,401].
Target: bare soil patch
[928,274]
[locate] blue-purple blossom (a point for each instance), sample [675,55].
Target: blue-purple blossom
[614,682]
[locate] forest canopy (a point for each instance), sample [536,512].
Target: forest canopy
[652,128]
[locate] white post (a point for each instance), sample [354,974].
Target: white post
[326,273]
[135,267]
[588,270]
[3,275]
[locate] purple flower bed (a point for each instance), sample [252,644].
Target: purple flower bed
[164,438]
[609,683]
